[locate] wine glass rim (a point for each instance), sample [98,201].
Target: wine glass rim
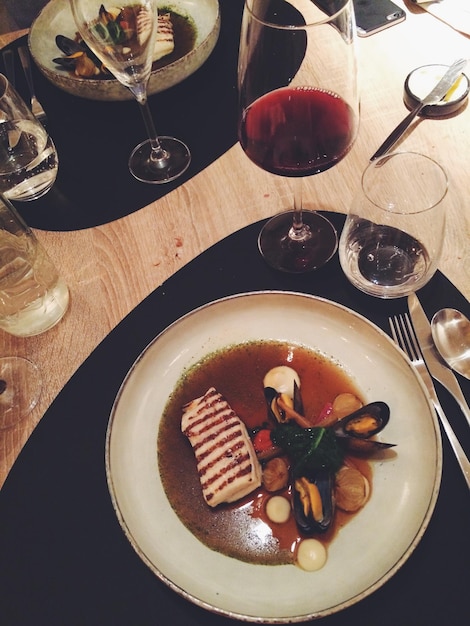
[392,208]
[295,27]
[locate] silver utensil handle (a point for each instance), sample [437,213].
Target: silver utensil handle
[453,387]
[463,405]
[454,442]
[397,133]
[451,384]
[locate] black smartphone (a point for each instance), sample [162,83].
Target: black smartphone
[372,16]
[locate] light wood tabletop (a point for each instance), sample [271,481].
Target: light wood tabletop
[111,268]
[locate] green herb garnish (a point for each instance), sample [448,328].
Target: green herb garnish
[309,449]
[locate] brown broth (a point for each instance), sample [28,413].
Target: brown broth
[237,372]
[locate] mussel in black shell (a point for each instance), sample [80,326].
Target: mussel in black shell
[282,392]
[69,46]
[357,429]
[79,58]
[313,501]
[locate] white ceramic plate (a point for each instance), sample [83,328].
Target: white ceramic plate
[56,19]
[367,552]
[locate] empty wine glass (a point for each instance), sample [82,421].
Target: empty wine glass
[123,38]
[298,111]
[20,389]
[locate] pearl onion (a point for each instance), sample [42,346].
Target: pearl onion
[278,509]
[311,555]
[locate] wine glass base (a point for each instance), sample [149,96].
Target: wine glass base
[20,389]
[159,171]
[283,253]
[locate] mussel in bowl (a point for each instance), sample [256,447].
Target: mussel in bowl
[313,501]
[320,447]
[78,58]
[282,393]
[356,430]
[69,46]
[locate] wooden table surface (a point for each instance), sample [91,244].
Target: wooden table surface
[110,269]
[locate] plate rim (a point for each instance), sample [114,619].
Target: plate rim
[385,577]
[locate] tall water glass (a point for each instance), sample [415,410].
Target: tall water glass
[33,296]
[392,237]
[28,158]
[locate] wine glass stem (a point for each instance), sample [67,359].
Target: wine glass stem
[299,231]
[159,156]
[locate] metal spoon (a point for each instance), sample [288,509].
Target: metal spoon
[451,334]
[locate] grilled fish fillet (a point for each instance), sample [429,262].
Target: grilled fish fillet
[143,25]
[164,43]
[226,461]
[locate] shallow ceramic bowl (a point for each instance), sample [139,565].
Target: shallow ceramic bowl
[366,552]
[56,19]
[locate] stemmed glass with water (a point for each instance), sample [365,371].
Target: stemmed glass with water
[123,39]
[298,112]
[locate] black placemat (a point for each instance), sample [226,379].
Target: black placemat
[94,139]
[64,559]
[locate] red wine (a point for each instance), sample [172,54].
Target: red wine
[297,131]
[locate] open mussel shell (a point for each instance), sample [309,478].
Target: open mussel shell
[355,430]
[298,405]
[274,411]
[366,422]
[282,381]
[365,446]
[68,46]
[72,51]
[320,518]
[66,62]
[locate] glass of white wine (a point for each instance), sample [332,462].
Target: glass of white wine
[123,38]
[33,295]
[20,389]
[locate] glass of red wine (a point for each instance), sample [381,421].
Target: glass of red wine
[298,112]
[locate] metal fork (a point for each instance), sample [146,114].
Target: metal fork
[404,336]
[36,106]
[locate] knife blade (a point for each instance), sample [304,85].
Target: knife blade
[435,365]
[433,97]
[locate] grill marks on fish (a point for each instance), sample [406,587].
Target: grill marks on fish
[226,461]
[143,24]
[164,43]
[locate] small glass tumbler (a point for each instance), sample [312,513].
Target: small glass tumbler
[33,297]
[28,157]
[393,234]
